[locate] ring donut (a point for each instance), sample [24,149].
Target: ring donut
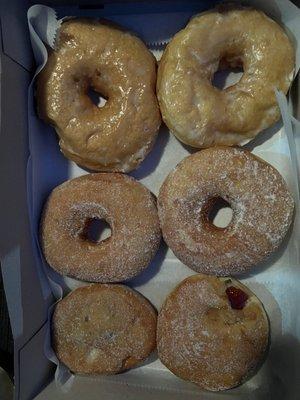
[103,329]
[126,205]
[202,115]
[116,64]
[261,203]
[212,331]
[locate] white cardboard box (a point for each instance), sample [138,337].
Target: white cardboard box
[28,292]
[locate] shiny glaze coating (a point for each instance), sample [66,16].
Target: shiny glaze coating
[116,64]
[202,115]
[202,339]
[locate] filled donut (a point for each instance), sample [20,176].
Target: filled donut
[103,329]
[212,331]
[123,203]
[114,63]
[202,115]
[261,204]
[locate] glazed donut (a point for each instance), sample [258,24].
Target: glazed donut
[103,329]
[261,203]
[212,331]
[126,205]
[90,54]
[202,115]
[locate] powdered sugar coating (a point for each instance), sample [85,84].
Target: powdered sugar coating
[200,338]
[103,329]
[261,202]
[127,206]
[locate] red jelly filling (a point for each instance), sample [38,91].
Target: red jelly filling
[236,297]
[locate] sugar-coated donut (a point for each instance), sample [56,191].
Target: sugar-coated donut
[260,200]
[125,204]
[103,329]
[202,115]
[113,62]
[212,331]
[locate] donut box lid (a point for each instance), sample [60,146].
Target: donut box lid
[23,161]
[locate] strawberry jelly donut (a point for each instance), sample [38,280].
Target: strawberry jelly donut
[261,203]
[212,331]
[93,55]
[103,329]
[126,205]
[202,115]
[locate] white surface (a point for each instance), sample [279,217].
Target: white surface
[273,282]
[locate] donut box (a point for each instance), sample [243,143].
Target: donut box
[32,165]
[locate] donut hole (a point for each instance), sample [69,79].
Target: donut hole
[228,74]
[98,99]
[218,212]
[95,230]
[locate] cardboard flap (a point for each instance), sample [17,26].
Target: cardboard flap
[15,38]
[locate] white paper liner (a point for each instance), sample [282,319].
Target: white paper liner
[43,26]
[287,121]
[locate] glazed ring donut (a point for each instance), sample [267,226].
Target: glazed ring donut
[202,115]
[261,203]
[212,331]
[103,329]
[90,54]
[126,205]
